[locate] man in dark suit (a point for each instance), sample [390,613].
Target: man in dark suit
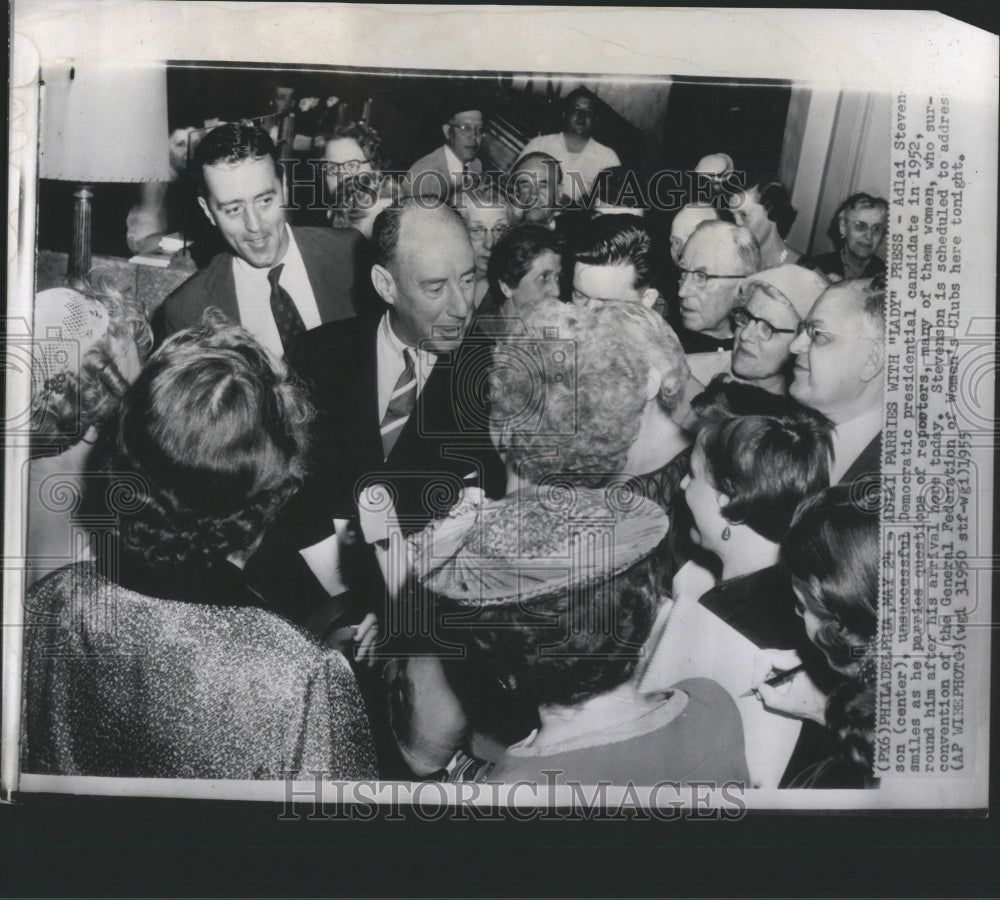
[839,370]
[400,407]
[277,281]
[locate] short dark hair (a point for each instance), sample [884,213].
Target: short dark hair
[574,94]
[215,432]
[620,186]
[233,143]
[515,253]
[832,553]
[776,200]
[535,154]
[619,241]
[874,301]
[861,200]
[767,465]
[724,397]
[515,642]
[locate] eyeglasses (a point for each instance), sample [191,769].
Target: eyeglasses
[700,278]
[876,230]
[821,337]
[478,232]
[741,318]
[465,128]
[351,167]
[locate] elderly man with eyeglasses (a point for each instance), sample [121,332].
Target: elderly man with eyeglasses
[455,165]
[716,259]
[839,370]
[775,302]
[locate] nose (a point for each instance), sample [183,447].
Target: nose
[686,288]
[799,345]
[251,219]
[461,300]
[488,240]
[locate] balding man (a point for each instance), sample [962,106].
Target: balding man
[839,370]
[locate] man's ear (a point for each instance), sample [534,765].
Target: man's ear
[649,297]
[875,360]
[506,291]
[842,225]
[446,131]
[384,284]
[203,203]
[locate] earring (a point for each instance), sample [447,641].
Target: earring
[726,533]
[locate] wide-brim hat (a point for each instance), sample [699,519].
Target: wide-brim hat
[538,541]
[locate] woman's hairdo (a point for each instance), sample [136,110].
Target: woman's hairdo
[515,253]
[832,553]
[861,200]
[776,200]
[85,389]
[215,428]
[367,137]
[568,397]
[766,466]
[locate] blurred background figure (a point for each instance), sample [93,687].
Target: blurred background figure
[532,186]
[712,170]
[78,381]
[765,207]
[858,230]
[191,676]
[579,155]
[618,191]
[456,163]
[488,216]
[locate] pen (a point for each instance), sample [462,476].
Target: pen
[775,680]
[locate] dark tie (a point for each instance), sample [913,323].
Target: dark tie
[404,395]
[286,316]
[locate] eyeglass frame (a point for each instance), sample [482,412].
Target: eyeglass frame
[766,329]
[468,128]
[808,326]
[483,229]
[335,168]
[702,278]
[867,227]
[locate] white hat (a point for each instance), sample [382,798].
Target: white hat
[798,285]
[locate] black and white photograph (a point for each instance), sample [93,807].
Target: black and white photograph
[529,415]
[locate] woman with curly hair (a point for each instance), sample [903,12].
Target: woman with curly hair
[176,669]
[90,343]
[831,553]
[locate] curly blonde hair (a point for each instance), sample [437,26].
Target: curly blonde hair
[569,397]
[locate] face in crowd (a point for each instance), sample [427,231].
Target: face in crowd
[749,212]
[683,226]
[245,202]
[763,333]
[838,355]
[486,224]
[430,283]
[863,231]
[539,284]
[616,282]
[535,185]
[464,134]
[711,271]
[342,158]
[579,118]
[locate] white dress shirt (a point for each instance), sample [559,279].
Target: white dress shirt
[253,296]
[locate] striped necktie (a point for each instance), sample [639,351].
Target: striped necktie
[404,395]
[286,316]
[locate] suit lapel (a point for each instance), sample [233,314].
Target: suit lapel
[221,288]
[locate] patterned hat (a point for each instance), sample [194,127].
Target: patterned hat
[67,326]
[538,541]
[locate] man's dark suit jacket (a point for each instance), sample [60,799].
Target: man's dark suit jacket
[869,462]
[335,261]
[445,439]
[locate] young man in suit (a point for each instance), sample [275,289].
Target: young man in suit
[276,281]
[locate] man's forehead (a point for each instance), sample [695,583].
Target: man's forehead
[841,304]
[705,247]
[248,175]
[474,213]
[469,116]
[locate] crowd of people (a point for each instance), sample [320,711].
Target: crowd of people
[481,478]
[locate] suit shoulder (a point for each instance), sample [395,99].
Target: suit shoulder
[326,237]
